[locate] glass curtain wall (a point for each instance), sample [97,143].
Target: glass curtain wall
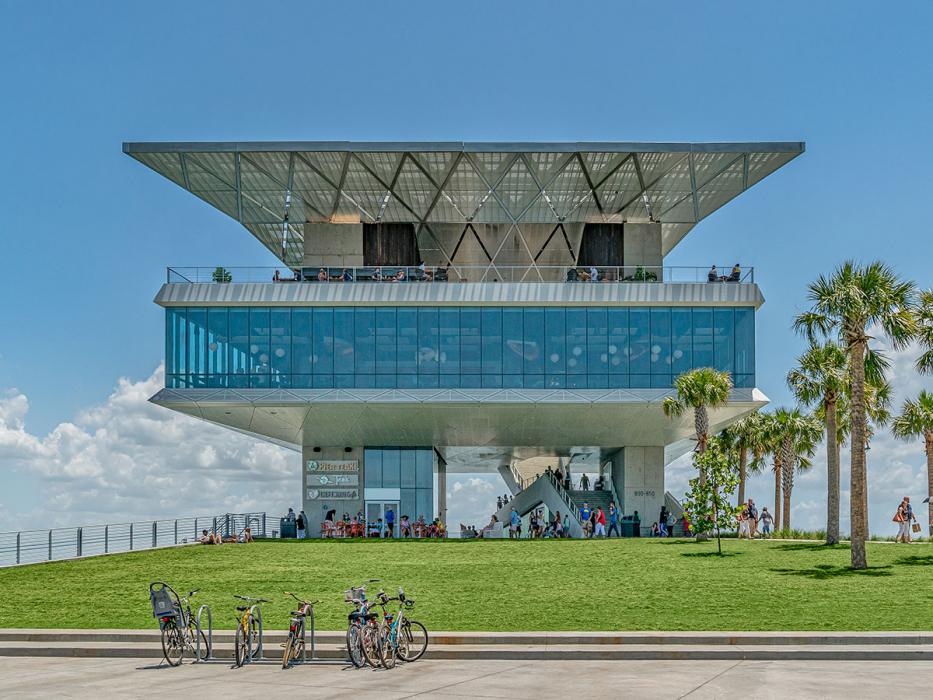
[465,347]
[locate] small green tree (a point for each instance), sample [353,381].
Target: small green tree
[707,503]
[222,274]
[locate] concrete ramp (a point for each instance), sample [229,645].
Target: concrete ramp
[542,492]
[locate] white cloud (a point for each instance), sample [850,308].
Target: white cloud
[130,459]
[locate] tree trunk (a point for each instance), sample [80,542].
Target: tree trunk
[701,425]
[928,436]
[787,509]
[858,472]
[832,472]
[743,468]
[788,462]
[777,493]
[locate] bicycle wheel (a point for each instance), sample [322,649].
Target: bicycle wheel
[355,646]
[388,652]
[298,643]
[253,637]
[240,645]
[371,639]
[173,645]
[193,636]
[287,653]
[413,640]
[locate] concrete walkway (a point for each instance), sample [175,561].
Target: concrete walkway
[142,678]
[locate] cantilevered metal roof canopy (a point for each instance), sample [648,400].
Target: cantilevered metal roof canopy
[273,188]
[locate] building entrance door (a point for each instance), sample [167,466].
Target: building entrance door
[376,510]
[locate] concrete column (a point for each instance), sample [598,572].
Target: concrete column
[442,491]
[643,482]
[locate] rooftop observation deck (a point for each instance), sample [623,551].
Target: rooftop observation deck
[387,274]
[465,286]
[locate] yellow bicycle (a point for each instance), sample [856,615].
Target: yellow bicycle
[246,642]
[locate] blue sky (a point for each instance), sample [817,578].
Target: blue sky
[87,232]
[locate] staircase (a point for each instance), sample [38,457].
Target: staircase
[544,492]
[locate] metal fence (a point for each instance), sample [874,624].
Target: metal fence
[460,273]
[32,546]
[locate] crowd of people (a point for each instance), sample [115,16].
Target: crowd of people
[348,526]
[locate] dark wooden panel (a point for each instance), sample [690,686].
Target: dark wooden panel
[601,245]
[390,244]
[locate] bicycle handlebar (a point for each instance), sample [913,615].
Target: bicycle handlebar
[249,599]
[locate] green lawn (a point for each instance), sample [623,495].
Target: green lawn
[503,585]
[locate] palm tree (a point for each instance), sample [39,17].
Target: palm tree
[699,389]
[798,434]
[845,305]
[821,379]
[738,439]
[767,441]
[925,331]
[916,419]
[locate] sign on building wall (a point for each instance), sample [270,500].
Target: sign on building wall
[316,466]
[333,494]
[318,480]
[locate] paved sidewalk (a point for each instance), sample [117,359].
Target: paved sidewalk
[141,678]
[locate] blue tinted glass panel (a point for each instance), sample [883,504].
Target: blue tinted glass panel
[386,340]
[639,342]
[197,341]
[407,325]
[301,342]
[281,347]
[408,470]
[364,339]
[449,332]
[745,341]
[618,342]
[259,339]
[533,342]
[372,468]
[491,341]
[470,348]
[661,341]
[555,343]
[175,335]
[681,340]
[217,341]
[513,349]
[425,468]
[576,341]
[428,342]
[238,361]
[390,468]
[640,381]
[425,503]
[344,328]
[322,341]
[597,343]
[702,337]
[724,339]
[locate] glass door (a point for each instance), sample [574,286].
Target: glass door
[377,522]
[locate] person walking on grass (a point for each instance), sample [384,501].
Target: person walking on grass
[514,523]
[752,519]
[613,520]
[585,513]
[743,518]
[903,518]
[600,518]
[767,522]
[301,523]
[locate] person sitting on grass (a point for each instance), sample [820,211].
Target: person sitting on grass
[209,538]
[493,521]
[655,530]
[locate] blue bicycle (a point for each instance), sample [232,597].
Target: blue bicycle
[400,637]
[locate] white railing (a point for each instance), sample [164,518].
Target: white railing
[34,546]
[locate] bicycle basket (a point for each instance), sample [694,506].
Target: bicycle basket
[353,594]
[409,604]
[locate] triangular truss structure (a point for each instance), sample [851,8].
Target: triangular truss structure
[273,189]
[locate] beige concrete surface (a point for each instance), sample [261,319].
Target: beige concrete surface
[141,678]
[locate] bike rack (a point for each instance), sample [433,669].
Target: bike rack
[256,612]
[210,635]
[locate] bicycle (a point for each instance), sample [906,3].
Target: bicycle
[179,632]
[400,637]
[295,644]
[246,641]
[361,628]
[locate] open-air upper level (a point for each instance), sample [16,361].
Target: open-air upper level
[478,206]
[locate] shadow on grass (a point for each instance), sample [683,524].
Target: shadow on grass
[822,572]
[916,560]
[710,554]
[815,546]
[686,542]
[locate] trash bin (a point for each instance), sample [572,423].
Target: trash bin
[287,528]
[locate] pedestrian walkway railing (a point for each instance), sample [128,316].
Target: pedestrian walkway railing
[33,546]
